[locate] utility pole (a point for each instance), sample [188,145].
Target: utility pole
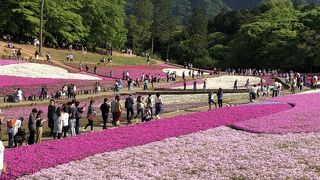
[41,27]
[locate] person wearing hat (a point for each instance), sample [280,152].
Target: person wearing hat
[32,126]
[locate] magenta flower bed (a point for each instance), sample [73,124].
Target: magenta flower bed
[303,117]
[8,62]
[21,81]
[30,159]
[134,71]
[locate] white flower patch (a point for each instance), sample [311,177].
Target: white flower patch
[180,71]
[34,70]
[226,82]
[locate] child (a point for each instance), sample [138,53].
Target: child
[265,91]
[146,115]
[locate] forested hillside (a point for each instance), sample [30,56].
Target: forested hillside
[274,34]
[243,4]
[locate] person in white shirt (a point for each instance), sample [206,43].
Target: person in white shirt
[150,102]
[253,92]
[2,164]
[265,91]
[57,130]
[279,88]
[19,95]
[211,100]
[65,121]
[275,91]
[158,105]
[315,81]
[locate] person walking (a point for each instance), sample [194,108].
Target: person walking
[129,103]
[105,110]
[32,126]
[79,112]
[211,100]
[184,84]
[65,120]
[194,85]
[275,91]
[253,93]
[158,105]
[72,118]
[140,107]
[91,115]
[265,91]
[57,128]
[129,84]
[51,112]
[39,123]
[205,82]
[116,111]
[220,97]
[145,85]
[149,102]
[235,85]
[95,69]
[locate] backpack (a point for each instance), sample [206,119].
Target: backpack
[20,136]
[78,113]
[73,113]
[127,103]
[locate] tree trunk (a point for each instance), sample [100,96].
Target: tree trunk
[152,43]
[168,49]
[41,27]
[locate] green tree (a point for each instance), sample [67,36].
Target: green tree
[270,41]
[20,18]
[197,44]
[161,14]
[309,38]
[105,21]
[138,24]
[62,23]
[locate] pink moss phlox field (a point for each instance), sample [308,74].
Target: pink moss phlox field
[303,117]
[135,71]
[30,159]
[8,62]
[219,153]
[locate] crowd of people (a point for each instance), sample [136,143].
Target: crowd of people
[64,120]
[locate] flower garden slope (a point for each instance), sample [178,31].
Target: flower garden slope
[303,117]
[30,159]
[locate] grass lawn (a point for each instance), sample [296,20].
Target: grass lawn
[95,58]
[59,55]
